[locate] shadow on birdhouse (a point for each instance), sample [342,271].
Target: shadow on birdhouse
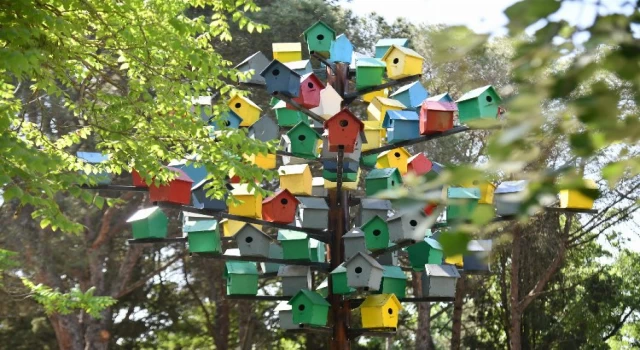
[149,223]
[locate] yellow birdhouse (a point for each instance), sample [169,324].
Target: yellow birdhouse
[262,161]
[454,260]
[351,186]
[231,227]
[251,205]
[378,93]
[296,178]
[402,62]
[395,158]
[486,190]
[379,107]
[287,52]
[574,199]
[245,109]
[374,134]
[380,311]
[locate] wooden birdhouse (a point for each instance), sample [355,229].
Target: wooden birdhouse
[251,202]
[395,158]
[195,172]
[401,125]
[440,98]
[309,308]
[245,108]
[418,164]
[102,178]
[231,227]
[137,180]
[309,95]
[371,207]
[463,201]
[203,236]
[344,129]
[252,242]
[436,116]
[406,226]
[574,199]
[402,62]
[280,79]
[304,141]
[383,45]
[176,191]
[313,212]
[262,161]
[330,103]
[394,281]
[411,95]
[477,258]
[319,37]
[339,283]
[295,245]
[379,180]
[363,271]
[287,52]
[227,119]
[318,250]
[242,278]
[275,252]
[202,107]
[374,133]
[508,197]
[301,67]
[347,185]
[439,280]
[341,49]
[296,178]
[285,316]
[149,223]
[436,170]
[428,251]
[486,188]
[479,103]
[285,145]
[281,207]
[368,97]
[376,233]
[255,64]
[378,108]
[288,117]
[331,157]
[389,258]
[380,311]
[265,129]
[330,168]
[294,278]
[354,242]
[317,187]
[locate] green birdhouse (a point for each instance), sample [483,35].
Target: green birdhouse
[149,223]
[296,245]
[369,72]
[319,37]
[323,288]
[275,252]
[203,236]
[376,233]
[428,251]
[339,281]
[347,176]
[379,180]
[479,103]
[242,277]
[288,117]
[369,160]
[318,250]
[463,201]
[304,140]
[309,308]
[394,281]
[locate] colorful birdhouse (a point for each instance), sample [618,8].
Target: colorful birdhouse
[195,172]
[280,79]
[176,191]
[295,245]
[405,226]
[374,133]
[287,52]
[231,227]
[439,280]
[250,202]
[265,129]
[339,283]
[227,119]
[436,116]
[378,108]
[294,278]
[296,178]
[486,188]
[463,201]
[388,258]
[313,212]
[288,117]
[371,207]
[418,164]
[254,64]
[331,157]
[202,106]
[411,95]
[318,250]
[401,125]
[479,103]
[354,242]
[285,316]
[245,108]
[509,196]
[138,181]
[344,129]
[347,185]
[301,67]
[380,311]
[330,103]
[262,161]
[275,252]
[317,187]
[379,180]
[252,242]
[281,207]
[149,223]
[309,95]
[319,37]
[341,49]
[363,271]
[203,236]
[376,233]
[309,308]
[477,258]
[394,281]
[383,45]
[350,173]
[402,62]
[368,97]
[304,141]
[395,158]
[286,145]
[102,178]
[574,199]
[428,251]
[242,278]
[440,98]
[436,170]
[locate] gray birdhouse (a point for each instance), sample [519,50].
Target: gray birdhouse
[370,207]
[252,242]
[301,67]
[354,243]
[294,278]
[406,226]
[476,260]
[439,280]
[317,187]
[508,197]
[363,271]
[257,63]
[275,252]
[286,146]
[388,258]
[285,316]
[264,129]
[352,156]
[313,212]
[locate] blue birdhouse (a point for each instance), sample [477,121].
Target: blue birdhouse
[281,79]
[228,119]
[440,98]
[401,125]
[341,49]
[383,45]
[102,178]
[200,199]
[195,173]
[411,95]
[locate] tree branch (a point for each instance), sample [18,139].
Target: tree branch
[618,325]
[149,276]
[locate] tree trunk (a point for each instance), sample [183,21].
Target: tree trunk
[424,341]
[515,327]
[456,328]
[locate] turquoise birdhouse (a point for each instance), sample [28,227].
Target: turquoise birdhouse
[428,251]
[401,125]
[319,37]
[383,45]
[341,49]
[411,95]
[479,103]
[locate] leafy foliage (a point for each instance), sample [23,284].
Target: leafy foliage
[65,303]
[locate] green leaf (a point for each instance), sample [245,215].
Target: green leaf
[525,13]
[454,243]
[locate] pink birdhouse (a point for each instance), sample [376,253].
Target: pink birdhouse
[436,116]
[310,87]
[343,128]
[419,164]
[177,191]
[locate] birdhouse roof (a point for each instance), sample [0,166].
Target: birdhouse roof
[319,24]
[385,101]
[399,149]
[461,192]
[264,120]
[246,100]
[186,214]
[294,169]
[433,243]
[355,57]
[441,270]
[313,297]
[246,60]
[313,203]
[477,92]
[232,252]
[372,221]
[144,214]
[286,47]
[339,269]
[440,97]
[317,181]
[200,184]
[246,228]
[241,267]
[440,106]
[346,112]
[402,115]
[279,194]
[274,63]
[475,246]
[323,284]
[290,235]
[511,186]
[354,233]
[314,78]
[293,271]
[405,50]
[437,167]
[374,203]
[314,243]
[242,190]
[380,300]
[382,173]
[370,62]
[407,88]
[392,41]
[393,272]
[280,104]
[371,261]
[283,306]
[200,225]
[303,127]
[297,64]
[93,157]
[372,125]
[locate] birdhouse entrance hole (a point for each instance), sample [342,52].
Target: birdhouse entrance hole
[396,60]
[377,232]
[358,269]
[344,123]
[489,99]
[397,154]
[238,105]
[320,37]
[284,201]
[301,307]
[310,85]
[276,72]
[413,223]
[248,239]
[302,137]
[390,311]
[393,183]
[227,123]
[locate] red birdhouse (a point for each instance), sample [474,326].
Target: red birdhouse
[419,164]
[309,96]
[436,116]
[177,191]
[138,181]
[343,128]
[280,208]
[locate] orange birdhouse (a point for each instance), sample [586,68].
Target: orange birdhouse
[280,208]
[177,191]
[343,128]
[436,116]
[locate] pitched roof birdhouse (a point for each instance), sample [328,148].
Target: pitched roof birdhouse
[231,227]
[265,129]
[281,207]
[304,141]
[296,178]
[194,171]
[149,223]
[318,250]
[379,106]
[477,257]
[436,116]
[406,226]
[242,278]
[368,97]
[395,158]
[330,103]
[251,202]
[486,188]
[295,245]
[341,49]
[275,252]
[309,308]
[376,233]
[363,271]
[374,134]
[370,207]
[394,281]
[327,154]
[286,116]
[254,63]
[479,103]
[354,242]
[380,311]
[383,45]
[418,164]
[463,201]
[137,180]
[317,187]
[313,212]
[310,88]
[440,98]
[287,52]
[102,178]
[301,67]
[227,119]
[319,37]
[203,236]
[439,280]
[294,278]
[411,95]
[281,79]
[428,251]
[286,146]
[379,180]
[245,108]
[402,62]
[285,316]
[344,129]
[176,191]
[401,125]
[252,242]
[339,283]
[574,199]
[509,196]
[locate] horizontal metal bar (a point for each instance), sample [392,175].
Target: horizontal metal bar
[393,248]
[456,130]
[571,210]
[372,332]
[304,328]
[157,240]
[350,97]
[297,106]
[257,297]
[354,303]
[316,265]
[115,188]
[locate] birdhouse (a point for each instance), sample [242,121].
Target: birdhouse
[176,191]
[479,103]
[486,188]
[339,283]
[281,207]
[439,280]
[436,170]
[149,223]
[138,181]
[202,106]
[394,281]
[295,245]
[508,197]
[194,171]
[418,164]
[309,308]
[102,178]
[245,108]
[463,201]
[296,178]
[376,233]
[252,242]
[294,278]
[436,116]
[309,95]
[574,199]
[380,311]
[319,37]
[254,64]
[395,158]
[288,117]
[389,258]
[368,97]
[285,316]
[187,217]
[477,257]
[379,180]
[262,161]
[363,271]
[330,103]
[411,95]
[203,236]
[231,227]
[383,45]
[227,119]
[280,79]
[313,212]
[242,277]
[318,250]
[265,129]
[428,251]
[378,108]
[285,145]
[347,185]
[374,134]
[275,252]
[301,67]
[401,125]
[317,187]
[371,207]
[341,49]
[330,158]
[287,52]
[354,242]
[304,141]
[349,171]
[440,98]
[200,199]
[251,202]
[402,62]
[405,226]
[344,129]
